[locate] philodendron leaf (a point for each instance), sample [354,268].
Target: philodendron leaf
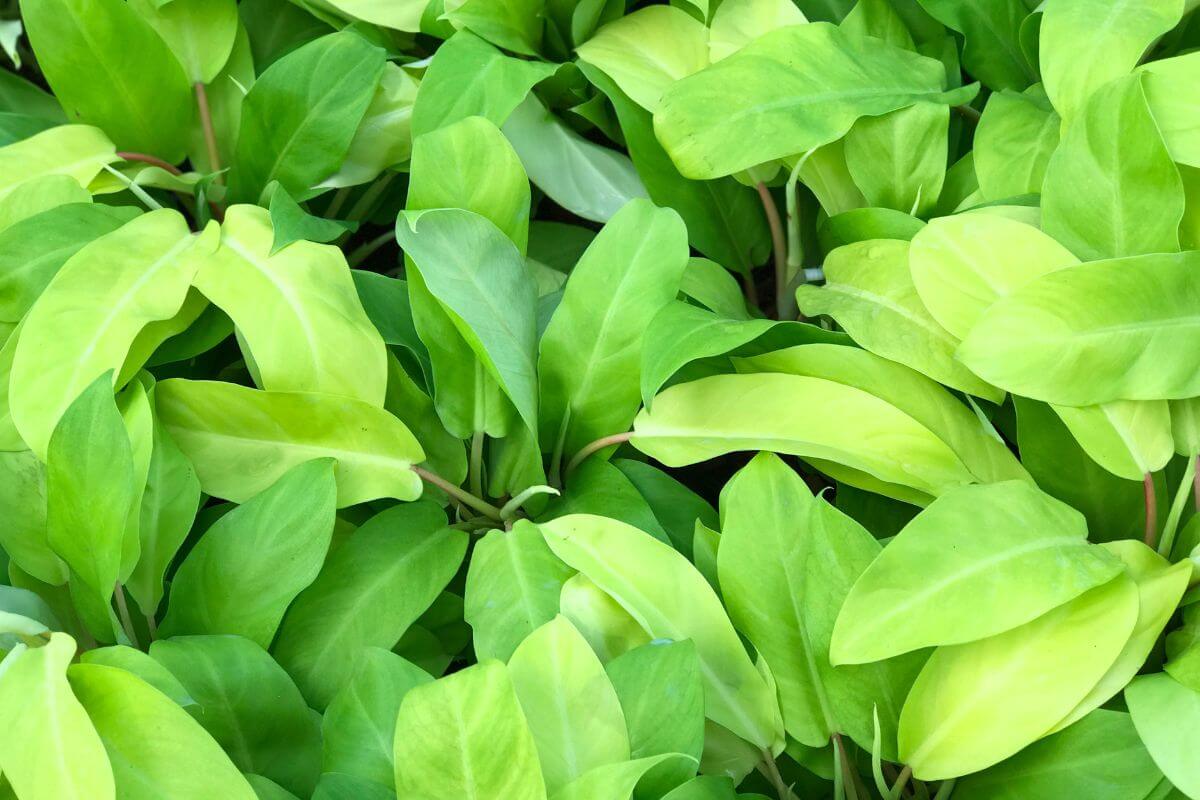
[617,781]
[200,33]
[804,416]
[736,23]
[1167,715]
[241,440]
[992,51]
[786,562]
[1094,333]
[48,747]
[144,666]
[1016,136]
[1170,86]
[360,721]
[870,292]
[571,706]
[1099,757]
[513,585]
[671,600]
[245,570]
[371,589]
[975,704]
[1130,439]
[296,310]
[591,350]
[90,314]
[787,92]
[481,281]
[465,736]
[610,629]
[155,748]
[1111,189]
[898,160]
[109,68]
[249,705]
[939,581]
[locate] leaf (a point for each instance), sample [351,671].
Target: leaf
[598,487]
[1111,189]
[299,144]
[512,24]
[617,781]
[783,588]
[804,416]
[676,507]
[468,77]
[141,664]
[20,95]
[384,137]
[870,292]
[241,440]
[132,277]
[992,51]
[1015,139]
[199,32]
[588,180]
[372,588]
[1170,87]
[23,503]
[898,160]
[671,600]
[513,584]
[360,721]
[297,311]
[1085,44]
[110,69]
[569,702]
[1078,336]
[291,223]
[648,50]
[609,628]
[156,749]
[962,264]
[48,747]
[245,570]
[40,194]
[1100,756]
[955,721]
[948,577]
[249,705]
[89,489]
[736,23]
[591,349]
[770,92]
[1166,713]
[1130,439]
[76,151]
[464,736]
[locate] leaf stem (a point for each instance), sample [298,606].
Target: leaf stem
[476,470]
[599,444]
[206,125]
[1196,483]
[364,251]
[123,611]
[778,245]
[901,782]
[969,114]
[1151,509]
[461,495]
[152,627]
[510,509]
[126,155]
[770,769]
[848,773]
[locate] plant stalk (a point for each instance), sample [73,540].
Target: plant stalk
[206,125]
[459,494]
[123,612]
[901,782]
[155,161]
[1151,509]
[599,444]
[770,769]
[778,246]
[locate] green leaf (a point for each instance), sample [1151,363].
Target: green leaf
[23,504]
[245,570]
[1099,757]
[788,92]
[648,50]
[1167,715]
[1016,137]
[199,32]
[588,180]
[898,160]
[92,311]
[610,629]
[1170,87]
[40,194]
[512,24]
[482,283]
[1085,44]
[671,600]
[360,721]
[468,77]
[384,137]
[936,585]
[736,23]
[513,585]
[299,118]
[465,736]
[291,223]
[1130,439]
[109,68]
[141,664]
[48,747]
[975,704]
[1111,189]
[992,51]
[155,748]
[372,588]
[241,440]
[1083,335]
[89,489]
[296,311]
[618,781]
[870,292]
[249,705]
[591,349]
[569,702]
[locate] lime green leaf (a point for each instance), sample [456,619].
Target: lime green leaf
[199,32]
[1130,439]
[383,139]
[737,23]
[609,628]
[898,159]
[1171,91]
[992,51]
[512,24]
[618,781]
[1016,136]
[1167,715]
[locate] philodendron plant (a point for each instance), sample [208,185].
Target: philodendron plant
[595,400]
